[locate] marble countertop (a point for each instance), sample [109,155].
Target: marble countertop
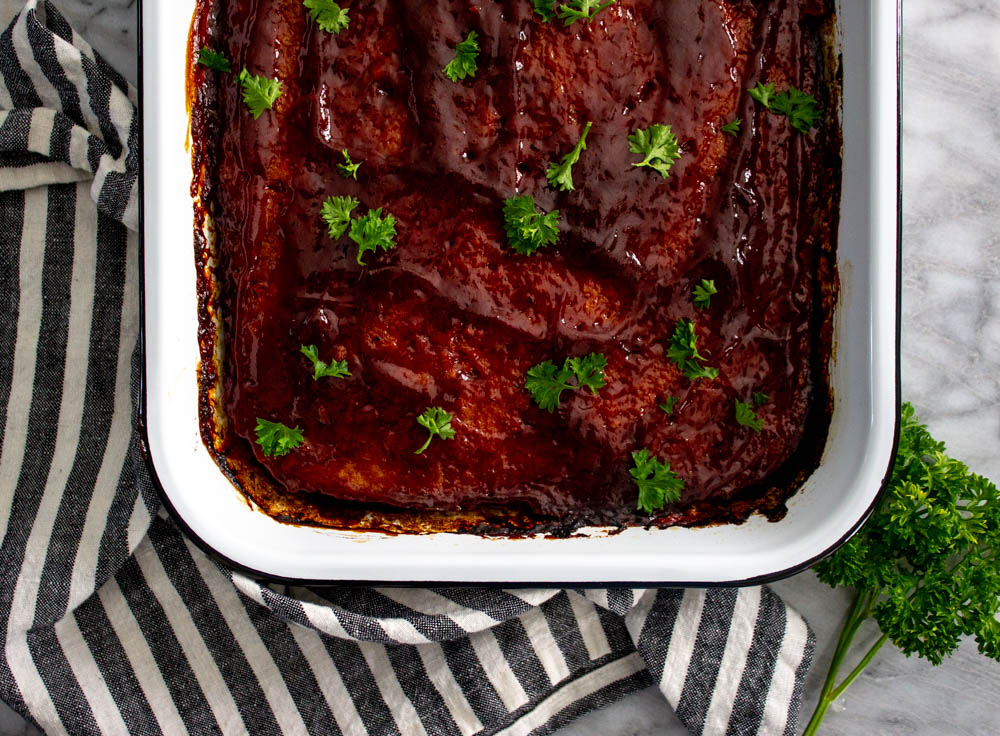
[951,349]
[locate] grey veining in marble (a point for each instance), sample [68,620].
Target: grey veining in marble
[951,349]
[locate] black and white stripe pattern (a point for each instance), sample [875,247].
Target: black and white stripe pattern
[116,623]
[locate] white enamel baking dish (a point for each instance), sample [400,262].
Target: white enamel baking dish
[830,506]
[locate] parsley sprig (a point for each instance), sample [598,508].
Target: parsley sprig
[259,93]
[925,566]
[585,10]
[464,64]
[560,175]
[528,229]
[336,213]
[546,9]
[658,145]
[277,439]
[683,351]
[322,369]
[547,381]
[747,417]
[214,60]
[658,484]
[349,169]
[438,424]
[801,109]
[703,293]
[669,404]
[372,232]
[733,127]
[328,15]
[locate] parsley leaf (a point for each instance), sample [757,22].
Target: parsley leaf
[683,351]
[328,15]
[560,175]
[747,417]
[438,424]
[214,60]
[349,169]
[589,371]
[659,146]
[733,128]
[371,231]
[321,369]
[545,8]
[464,63]
[925,564]
[760,399]
[703,293]
[277,439]
[658,484]
[802,110]
[527,228]
[336,213]
[259,93]
[669,404]
[584,10]
[547,381]
[763,93]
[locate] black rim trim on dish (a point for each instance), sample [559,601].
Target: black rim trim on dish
[141,423]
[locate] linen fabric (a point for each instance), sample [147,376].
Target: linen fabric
[116,623]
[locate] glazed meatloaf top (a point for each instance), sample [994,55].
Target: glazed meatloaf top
[572,258]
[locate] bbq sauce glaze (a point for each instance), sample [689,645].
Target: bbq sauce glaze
[452,317]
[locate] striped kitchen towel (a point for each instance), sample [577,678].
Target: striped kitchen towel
[115,622]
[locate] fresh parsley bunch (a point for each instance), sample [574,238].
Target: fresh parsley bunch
[926,565]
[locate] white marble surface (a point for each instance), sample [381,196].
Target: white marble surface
[951,348]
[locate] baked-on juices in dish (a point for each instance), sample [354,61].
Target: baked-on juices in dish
[519,265]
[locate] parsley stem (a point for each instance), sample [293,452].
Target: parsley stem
[839,690]
[424,446]
[855,616]
[859,612]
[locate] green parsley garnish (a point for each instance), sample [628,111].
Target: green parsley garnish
[658,484]
[214,60]
[259,93]
[763,93]
[802,110]
[528,229]
[336,213]
[925,566]
[464,63]
[547,381]
[733,128]
[760,399]
[545,8]
[328,15]
[349,169]
[371,231]
[438,424]
[669,404]
[584,10]
[683,351]
[747,417]
[560,175]
[321,369]
[277,439]
[659,146]
[703,293]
